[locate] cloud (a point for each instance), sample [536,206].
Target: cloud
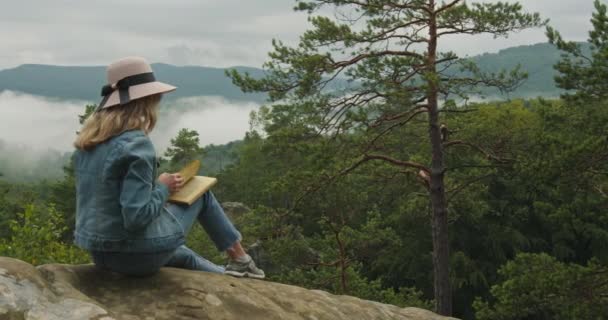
[570,17]
[36,133]
[213,54]
[43,124]
[38,122]
[207,32]
[69,32]
[217,120]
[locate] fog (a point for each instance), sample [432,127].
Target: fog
[216,120]
[36,129]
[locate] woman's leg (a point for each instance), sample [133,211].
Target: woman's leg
[212,218]
[227,238]
[185,258]
[222,232]
[218,226]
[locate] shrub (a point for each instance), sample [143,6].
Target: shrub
[35,237]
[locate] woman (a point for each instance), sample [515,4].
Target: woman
[123,218]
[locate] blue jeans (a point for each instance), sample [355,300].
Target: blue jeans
[209,214]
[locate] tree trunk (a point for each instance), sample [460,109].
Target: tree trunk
[441,254]
[342,265]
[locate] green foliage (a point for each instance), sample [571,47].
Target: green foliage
[41,236]
[583,73]
[338,49]
[525,203]
[35,237]
[184,147]
[359,286]
[88,110]
[63,196]
[63,191]
[537,286]
[385,54]
[548,196]
[216,158]
[314,261]
[526,180]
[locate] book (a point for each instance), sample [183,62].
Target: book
[194,186]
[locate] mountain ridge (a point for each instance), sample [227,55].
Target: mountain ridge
[84,82]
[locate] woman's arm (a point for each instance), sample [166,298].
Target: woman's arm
[141,199]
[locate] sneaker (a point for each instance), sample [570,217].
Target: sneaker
[244,269]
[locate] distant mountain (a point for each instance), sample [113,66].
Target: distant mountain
[73,82]
[86,82]
[538,60]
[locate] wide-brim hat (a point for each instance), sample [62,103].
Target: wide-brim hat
[129,79]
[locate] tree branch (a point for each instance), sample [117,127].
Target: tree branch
[366,158]
[410,114]
[488,155]
[399,163]
[376,54]
[447,6]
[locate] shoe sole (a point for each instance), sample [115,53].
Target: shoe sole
[244,274]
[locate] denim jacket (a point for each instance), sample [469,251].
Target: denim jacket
[119,205]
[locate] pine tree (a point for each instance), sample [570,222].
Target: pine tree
[375,68]
[584,74]
[184,147]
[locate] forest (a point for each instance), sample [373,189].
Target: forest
[370,172]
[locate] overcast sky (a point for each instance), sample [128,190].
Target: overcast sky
[216,33]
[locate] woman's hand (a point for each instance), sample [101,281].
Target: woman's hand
[174,181]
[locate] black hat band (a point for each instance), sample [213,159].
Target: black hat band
[123,87]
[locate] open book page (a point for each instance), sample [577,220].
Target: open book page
[193,189]
[190,170]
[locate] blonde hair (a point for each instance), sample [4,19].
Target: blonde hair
[108,122]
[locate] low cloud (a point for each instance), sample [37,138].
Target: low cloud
[36,128]
[217,120]
[38,122]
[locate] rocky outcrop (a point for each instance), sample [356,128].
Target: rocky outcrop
[67,292]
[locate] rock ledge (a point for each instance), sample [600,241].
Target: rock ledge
[69,292]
